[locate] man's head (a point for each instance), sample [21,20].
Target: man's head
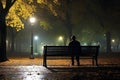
[73,37]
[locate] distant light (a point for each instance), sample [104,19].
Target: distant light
[85,44]
[42,47]
[104,35]
[36,53]
[6,41]
[36,37]
[94,43]
[32,20]
[60,38]
[113,40]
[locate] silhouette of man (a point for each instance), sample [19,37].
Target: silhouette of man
[75,50]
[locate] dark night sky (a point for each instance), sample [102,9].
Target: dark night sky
[87,16]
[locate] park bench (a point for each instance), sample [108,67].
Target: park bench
[90,52]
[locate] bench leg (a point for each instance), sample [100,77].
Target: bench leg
[44,61]
[92,61]
[96,60]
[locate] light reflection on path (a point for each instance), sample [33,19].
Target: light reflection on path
[35,72]
[23,72]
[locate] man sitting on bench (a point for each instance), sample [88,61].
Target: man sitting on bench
[75,50]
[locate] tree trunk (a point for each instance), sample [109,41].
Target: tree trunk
[3,13]
[3,56]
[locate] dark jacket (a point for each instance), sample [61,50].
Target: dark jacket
[75,47]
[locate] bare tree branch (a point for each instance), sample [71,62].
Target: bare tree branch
[13,2]
[9,4]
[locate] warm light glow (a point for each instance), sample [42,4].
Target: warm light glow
[32,20]
[60,38]
[113,40]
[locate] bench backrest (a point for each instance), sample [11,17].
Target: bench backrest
[65,50]
[56,50]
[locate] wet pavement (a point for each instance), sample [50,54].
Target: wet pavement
[27,69]
[59,73]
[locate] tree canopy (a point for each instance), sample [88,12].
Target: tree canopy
[22,9]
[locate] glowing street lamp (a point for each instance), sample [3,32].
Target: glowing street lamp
[113,40]
[36,37]
[32,21]
[36,42]
[60,38]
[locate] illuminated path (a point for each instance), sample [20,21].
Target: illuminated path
[36,72]
[23,72]
[27,69]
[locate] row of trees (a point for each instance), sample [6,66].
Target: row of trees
[15,13]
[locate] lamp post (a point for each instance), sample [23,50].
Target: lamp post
[113,44]
[36,39]
[32,21]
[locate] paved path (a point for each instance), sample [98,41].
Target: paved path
[58,73]
[27,69]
